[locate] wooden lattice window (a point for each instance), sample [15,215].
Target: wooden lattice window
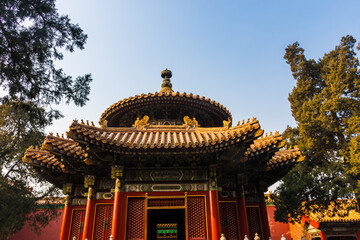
[228,219]
[166,202]
[196,218]
[136,219]
[254,222]
[77,224]
[103,221]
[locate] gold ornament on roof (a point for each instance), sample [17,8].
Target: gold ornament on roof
[190,123]
[103,124]
[141,124]
[166,86]
[227,123]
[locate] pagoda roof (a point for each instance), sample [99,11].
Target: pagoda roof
[116,111]
[165,137]
[165,105]
[56,148]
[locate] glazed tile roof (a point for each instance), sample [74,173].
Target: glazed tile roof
[41,158]
[286,156]
[158,137]
[177,96]
[329,216]
[165,137]
[63,146]
[264,145]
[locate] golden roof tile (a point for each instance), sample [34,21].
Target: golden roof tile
[163,136]
[62,146]
[41,158]
[170,95]
[286,156]
[265,143]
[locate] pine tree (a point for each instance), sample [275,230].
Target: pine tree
[326,106]
[33,35]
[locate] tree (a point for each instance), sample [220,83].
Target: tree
[326,106]
[33,36]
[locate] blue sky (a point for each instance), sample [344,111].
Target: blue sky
[229,51]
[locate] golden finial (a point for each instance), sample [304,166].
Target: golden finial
[243,122]
[82,121]
[75,120]
[166,86]
[266,134]
[92,124]
[51,134]
[57,134]
[277,133]
[253,119]
[36,147]
[248,120]
[87,122]
[271,134]
[238,123]
[62,135]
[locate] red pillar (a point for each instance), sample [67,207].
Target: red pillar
[358,234]
[65,226]
[89,216]
[244,225]
[322,235]
[118,211]
[214,214]
[264,220]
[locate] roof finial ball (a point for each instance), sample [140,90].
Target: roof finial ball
[166,85]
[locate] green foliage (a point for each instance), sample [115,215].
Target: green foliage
[325,104]
[33,36]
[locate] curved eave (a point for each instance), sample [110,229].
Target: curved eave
[265,145]
[211,105]
[61,146]
[164,138]
[285,158]
[42,159]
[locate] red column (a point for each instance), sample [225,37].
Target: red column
[358,234]
[117,221]
[89,216]
[65,226]
[264,220]
[244,225]
[322,235]
[214,214]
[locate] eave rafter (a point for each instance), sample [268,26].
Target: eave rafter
[164,138]
[285,157]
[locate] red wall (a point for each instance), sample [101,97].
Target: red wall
[277,228]
[50,232]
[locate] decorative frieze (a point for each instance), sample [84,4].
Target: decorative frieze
[165,187]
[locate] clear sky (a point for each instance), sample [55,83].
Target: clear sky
[229,51]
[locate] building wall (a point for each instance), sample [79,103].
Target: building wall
[277,228]
[52,231]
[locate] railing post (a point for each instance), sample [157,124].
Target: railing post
[222,237]
[246,237]
[256,237]
[282,237]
